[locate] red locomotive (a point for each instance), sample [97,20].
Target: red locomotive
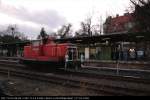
[52,54]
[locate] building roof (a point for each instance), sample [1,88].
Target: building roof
[119,23]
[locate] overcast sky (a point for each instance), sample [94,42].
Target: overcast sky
[31,15]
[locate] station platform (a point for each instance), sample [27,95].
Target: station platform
[137,65]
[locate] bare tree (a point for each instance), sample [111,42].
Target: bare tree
[90,29]
[11,34]
[142,14]
[107,23]
[12,30]
[86,27]
[89,26]
[64,31]
[100,25]
[43,35]
[83,27]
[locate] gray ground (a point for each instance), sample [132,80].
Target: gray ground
[24,87]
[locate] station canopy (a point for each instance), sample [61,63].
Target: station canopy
[115,37]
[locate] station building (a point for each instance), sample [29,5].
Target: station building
[122,46]
[122,40]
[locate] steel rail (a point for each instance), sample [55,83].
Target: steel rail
[73,82]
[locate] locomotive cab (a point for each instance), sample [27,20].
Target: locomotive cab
[72,53]
[72,61]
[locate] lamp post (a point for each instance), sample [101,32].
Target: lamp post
[119,56]
[12,29]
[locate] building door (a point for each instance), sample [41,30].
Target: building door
[105,53]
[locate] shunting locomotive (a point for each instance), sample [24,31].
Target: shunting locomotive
[48,53]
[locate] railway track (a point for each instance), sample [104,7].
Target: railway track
[110,85]
[10,58]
